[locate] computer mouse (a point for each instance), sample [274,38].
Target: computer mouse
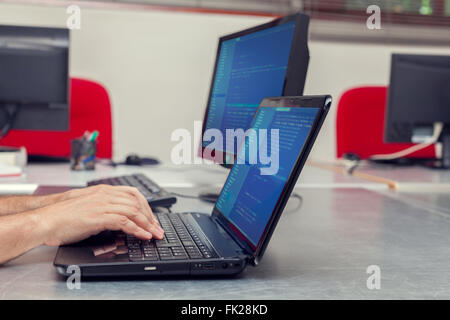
[133,160]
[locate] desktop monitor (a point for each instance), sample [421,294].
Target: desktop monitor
[418,98]
[34,78]
[267,60]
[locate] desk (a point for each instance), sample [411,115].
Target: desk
[416,179]
[197,176]
[318,252]
[438,202]
[411,178]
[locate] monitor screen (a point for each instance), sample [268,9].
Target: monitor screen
[249,197]
[34,64]
[34,82]
[249,68]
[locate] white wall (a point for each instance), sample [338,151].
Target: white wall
[157,67]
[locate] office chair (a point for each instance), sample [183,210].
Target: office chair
[360,125]
[90,109]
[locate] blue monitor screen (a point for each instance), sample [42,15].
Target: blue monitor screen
[248,197]
[249,68]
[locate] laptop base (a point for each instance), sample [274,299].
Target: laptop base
[112,262]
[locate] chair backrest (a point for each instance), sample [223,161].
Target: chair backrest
[90,109]
[360,125]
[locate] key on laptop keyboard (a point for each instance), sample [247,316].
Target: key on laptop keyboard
[181,241]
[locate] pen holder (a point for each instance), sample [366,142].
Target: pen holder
[83,154]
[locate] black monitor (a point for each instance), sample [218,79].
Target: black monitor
[267,60]
[419,98]
[34,78]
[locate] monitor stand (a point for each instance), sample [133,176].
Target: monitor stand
[444,162]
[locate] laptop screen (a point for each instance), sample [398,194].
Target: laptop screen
[252,190]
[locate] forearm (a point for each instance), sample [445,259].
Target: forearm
[17,204]
[20,233]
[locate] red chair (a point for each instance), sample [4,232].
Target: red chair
[90,109]
[360,125]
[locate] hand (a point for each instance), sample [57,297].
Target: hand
[85,212]
[107,189]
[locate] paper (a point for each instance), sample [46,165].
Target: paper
[10,171]
[9,188]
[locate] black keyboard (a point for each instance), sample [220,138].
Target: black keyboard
[155,195]
[181,241]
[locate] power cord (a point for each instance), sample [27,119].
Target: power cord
[438,127]
[300,203]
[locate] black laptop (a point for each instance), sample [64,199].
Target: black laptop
[243,219]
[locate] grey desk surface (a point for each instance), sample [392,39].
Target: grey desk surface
[197,176]
[417,179]
[318,252]
[438,202]
[407,174]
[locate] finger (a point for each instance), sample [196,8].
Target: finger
[136,200]
[133,213]
[120,222]
[142,200]
[140,197]
[133,192]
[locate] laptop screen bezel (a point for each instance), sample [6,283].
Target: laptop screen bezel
[322,104]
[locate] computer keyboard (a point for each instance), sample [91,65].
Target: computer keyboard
[181,241]
[155,195]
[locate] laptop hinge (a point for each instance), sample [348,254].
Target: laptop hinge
[250,257]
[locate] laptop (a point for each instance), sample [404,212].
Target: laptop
[243,219]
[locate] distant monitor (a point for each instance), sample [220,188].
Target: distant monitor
[267,60]
[418,97]
[34,78]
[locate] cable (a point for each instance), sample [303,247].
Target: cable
[438,127]
[300,204]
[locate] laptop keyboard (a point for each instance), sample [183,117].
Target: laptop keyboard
[181,241]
